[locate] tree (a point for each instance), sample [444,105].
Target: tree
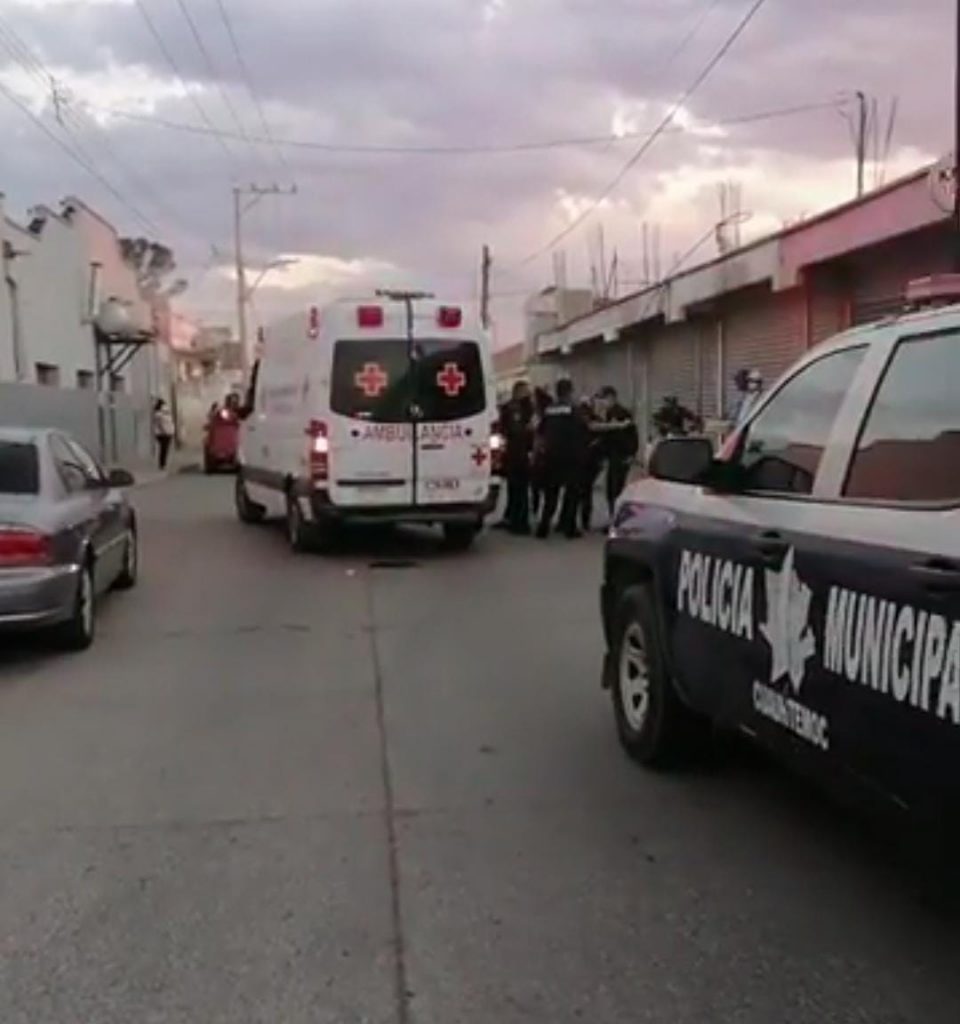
[153,264]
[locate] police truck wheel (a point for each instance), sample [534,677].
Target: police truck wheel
[654,726]
[247,511]
[459,536]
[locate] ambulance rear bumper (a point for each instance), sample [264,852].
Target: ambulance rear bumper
[323,510]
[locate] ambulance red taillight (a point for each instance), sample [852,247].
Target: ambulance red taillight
[23,548]
[370,316]
[449,316]
[318,454]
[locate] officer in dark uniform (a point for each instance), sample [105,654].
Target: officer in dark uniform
[516,425]
[564,438]
[621,442]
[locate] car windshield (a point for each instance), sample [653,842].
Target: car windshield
[19,468]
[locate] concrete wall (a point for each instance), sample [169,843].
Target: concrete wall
[125,420]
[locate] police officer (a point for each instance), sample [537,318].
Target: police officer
[564,436]
[620,442]
[516,425]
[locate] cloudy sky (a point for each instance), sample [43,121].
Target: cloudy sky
[474,83]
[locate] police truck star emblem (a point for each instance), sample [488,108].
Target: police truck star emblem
[787,628]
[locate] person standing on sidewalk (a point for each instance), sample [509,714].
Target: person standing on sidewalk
[163,431]
[621,442]
[564,436]
[516,425]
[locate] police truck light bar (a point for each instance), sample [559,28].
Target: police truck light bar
[937,287]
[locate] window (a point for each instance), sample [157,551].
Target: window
[909,449]
[381,381]
[85,380]
[19,468]
[71,472]
[117,383]
[371,380]
[784,444]
[449,379]
[48,375]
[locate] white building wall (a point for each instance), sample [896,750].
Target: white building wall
[52,279]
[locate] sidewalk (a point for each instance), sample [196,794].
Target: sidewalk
[186,460]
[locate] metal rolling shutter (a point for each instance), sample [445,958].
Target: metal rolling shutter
[880,284]
[708,369]
[762,331]
[671,365]
[826,309]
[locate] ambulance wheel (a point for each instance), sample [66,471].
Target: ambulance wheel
[459,536]
[654,727]
[300,534]
[247,511]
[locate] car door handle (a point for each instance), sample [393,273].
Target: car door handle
[771,546]
[937,575]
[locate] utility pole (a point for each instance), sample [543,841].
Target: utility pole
[256,193]
[861,139]
[486,261]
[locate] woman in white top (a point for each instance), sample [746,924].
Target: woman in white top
[162,431]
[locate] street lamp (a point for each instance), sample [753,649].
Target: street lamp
[281,263]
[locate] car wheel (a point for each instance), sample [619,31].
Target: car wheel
[654,726]
[459,536]
[209,466]
[77,633]
[247,511]
[300,535]
[130,571]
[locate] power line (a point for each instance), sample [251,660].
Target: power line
[214,74]
[68,119]
[80,159]
[174,67]
[658,131]
[467,150]
[248,79]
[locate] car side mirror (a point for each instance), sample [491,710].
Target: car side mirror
[120,478]
[682,460]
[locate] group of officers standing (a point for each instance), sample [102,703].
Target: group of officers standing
[556,448]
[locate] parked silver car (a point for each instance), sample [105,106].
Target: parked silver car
[67,534]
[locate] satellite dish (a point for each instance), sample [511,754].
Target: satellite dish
[943,183]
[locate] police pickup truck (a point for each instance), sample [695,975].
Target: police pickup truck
[803,585]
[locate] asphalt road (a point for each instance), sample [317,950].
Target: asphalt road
[299,790]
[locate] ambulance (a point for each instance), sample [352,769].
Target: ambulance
[373,411]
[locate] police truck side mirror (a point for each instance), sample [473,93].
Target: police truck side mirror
[682,460]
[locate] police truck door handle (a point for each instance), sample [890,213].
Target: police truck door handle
[938,575]
[771,545]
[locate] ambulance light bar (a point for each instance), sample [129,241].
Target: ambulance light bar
[370,316]
[936,288]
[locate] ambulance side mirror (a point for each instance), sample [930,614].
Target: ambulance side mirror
[682,460]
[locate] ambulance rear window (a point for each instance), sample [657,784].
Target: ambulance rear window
[450,383]
[380,381]
[371,380]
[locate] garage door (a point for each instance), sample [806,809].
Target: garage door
[763,330]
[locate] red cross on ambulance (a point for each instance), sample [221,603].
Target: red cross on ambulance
[371,380]
[451,380]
